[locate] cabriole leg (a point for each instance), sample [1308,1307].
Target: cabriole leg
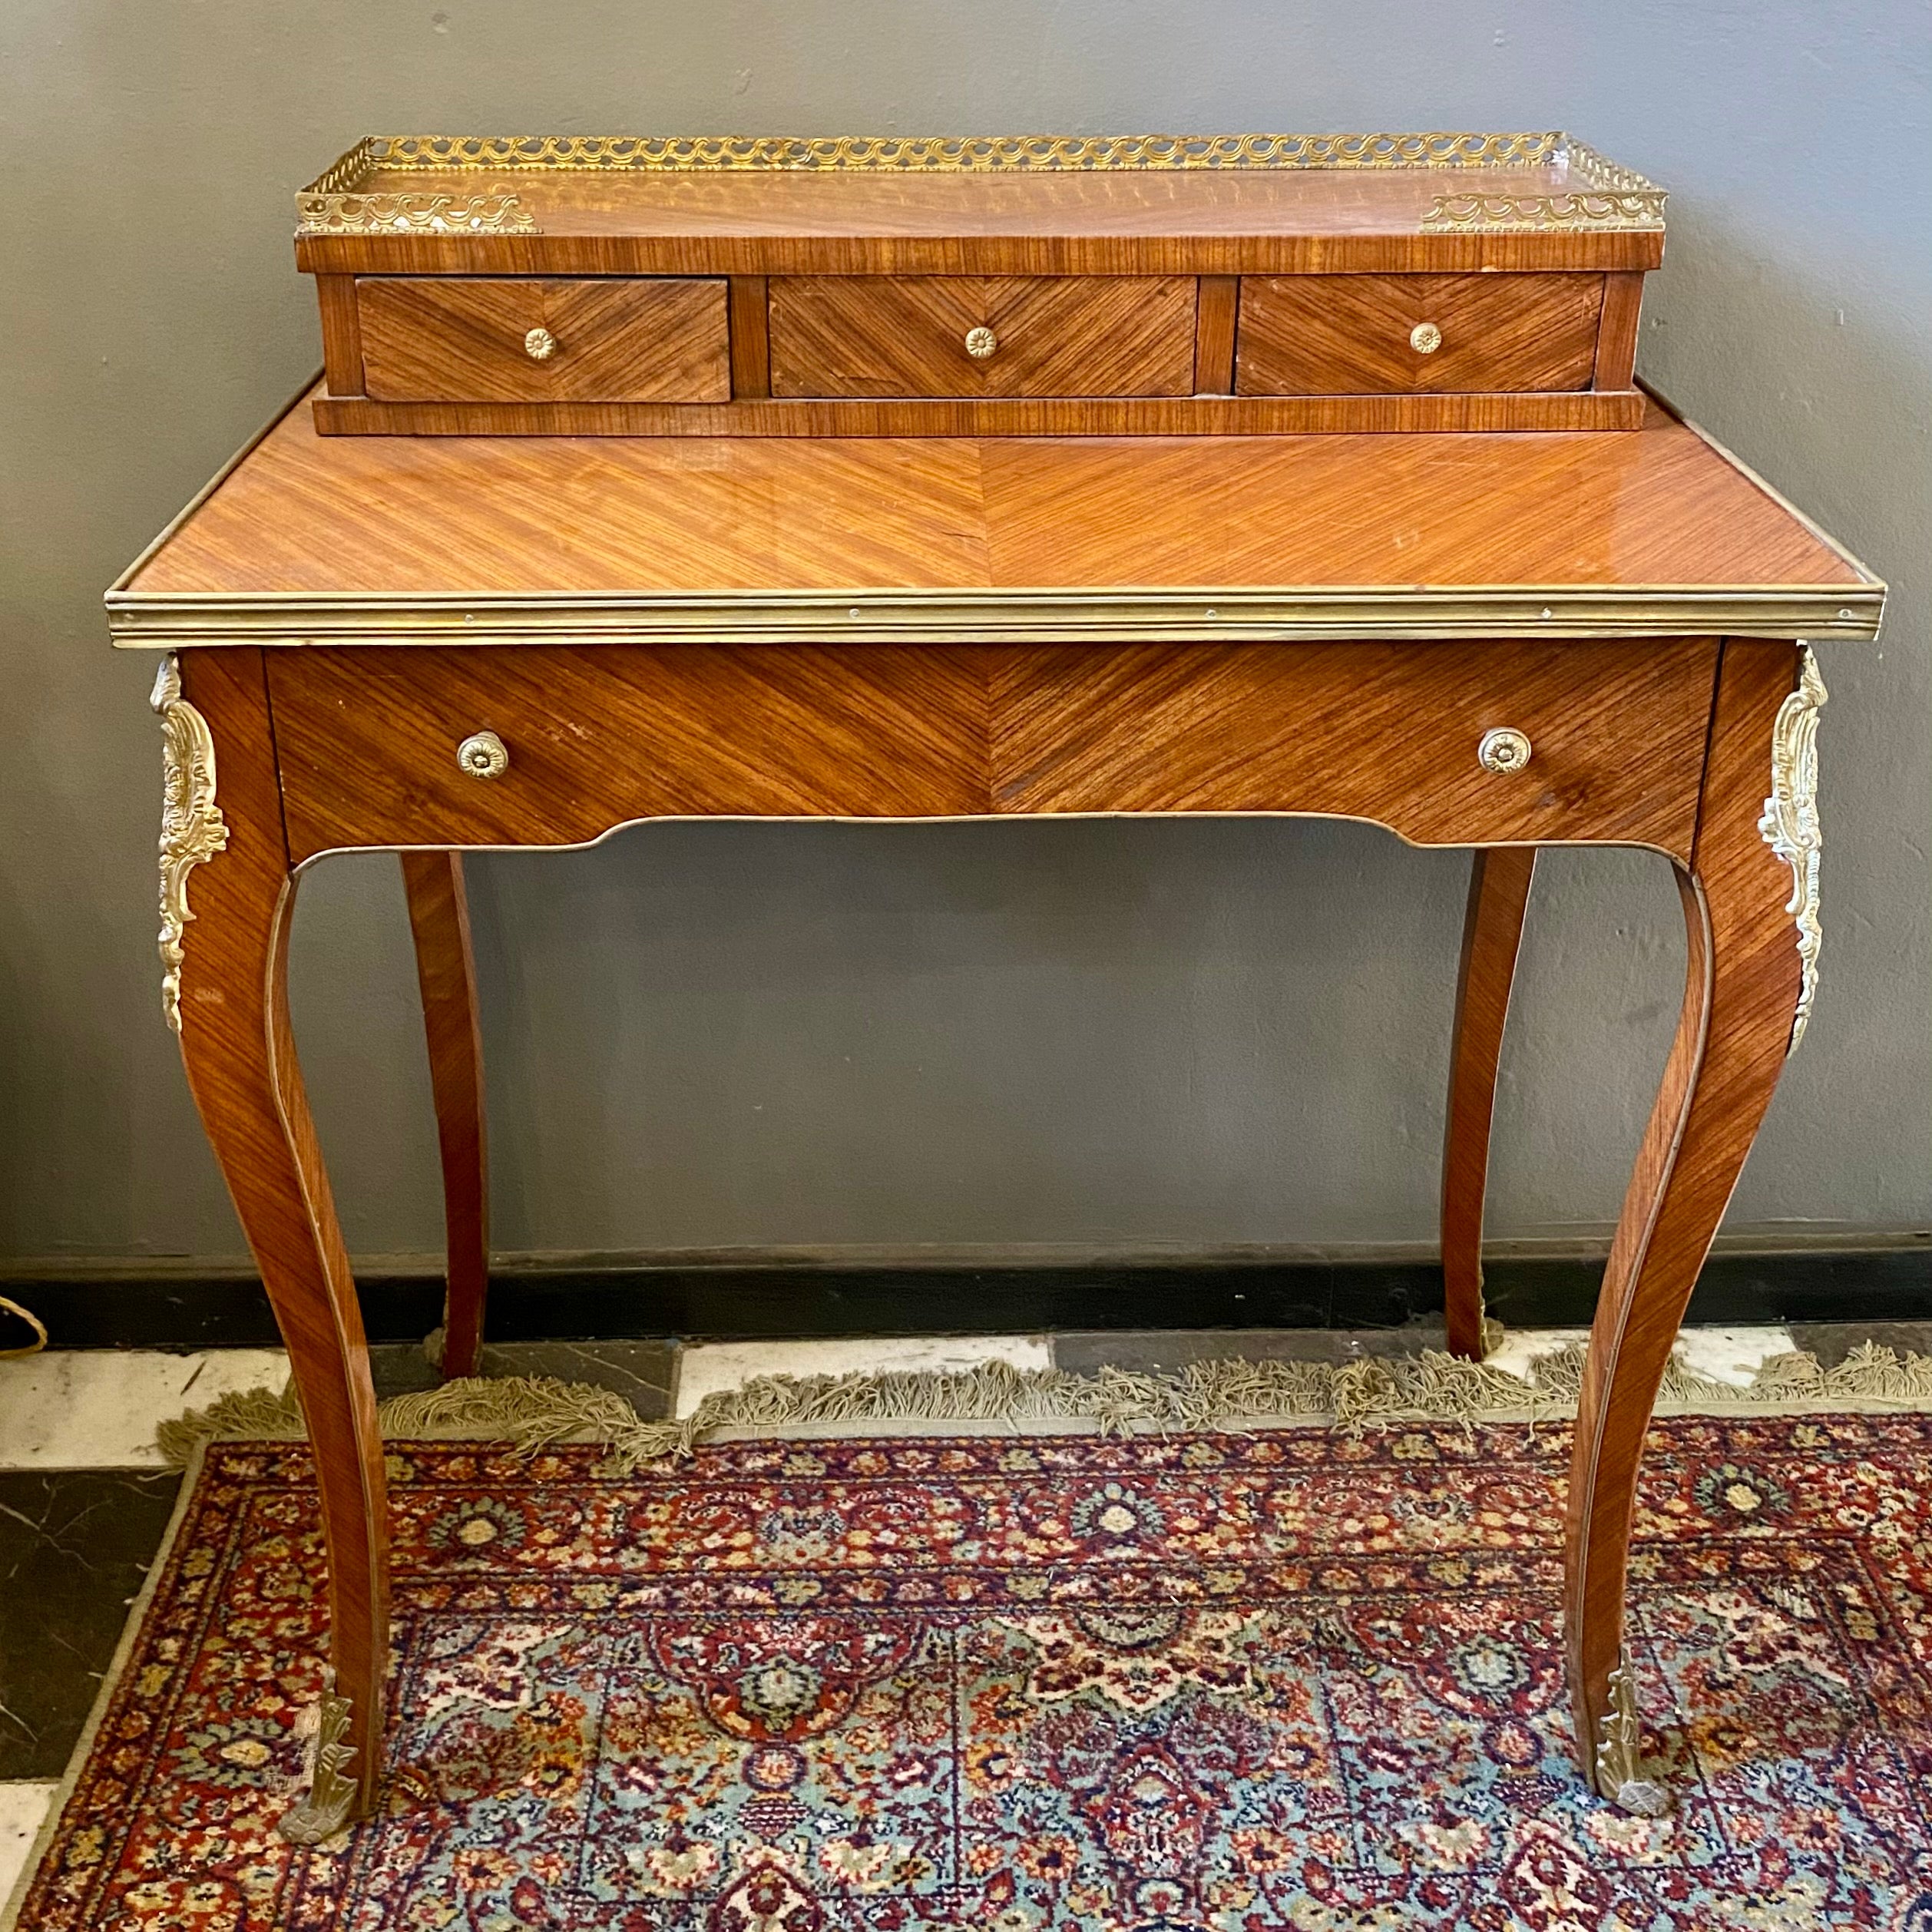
[225,993]
[440,921]
[1499,893]
[1741,1002]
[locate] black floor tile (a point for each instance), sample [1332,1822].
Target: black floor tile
[640,1370]
[1831,1341]
[1155,1350]
[74,1549]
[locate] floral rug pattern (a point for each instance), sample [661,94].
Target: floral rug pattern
[1207,1683]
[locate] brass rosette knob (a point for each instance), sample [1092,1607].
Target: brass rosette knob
[483,755]
[1502,751]
[539,345]
[980,342]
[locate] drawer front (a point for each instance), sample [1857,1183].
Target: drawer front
[536,339]
[1350,335]
[368,738]
[1388,731]
[399,744]
[1038,335]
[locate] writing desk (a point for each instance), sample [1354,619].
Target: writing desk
[1499,641]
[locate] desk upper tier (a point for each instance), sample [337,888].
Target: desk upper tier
[1657,532]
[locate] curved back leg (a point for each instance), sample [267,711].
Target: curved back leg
[1499,893]
[1741,1001]
[230,1002]
[439,921]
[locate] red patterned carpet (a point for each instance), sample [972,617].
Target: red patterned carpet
[1289,1680]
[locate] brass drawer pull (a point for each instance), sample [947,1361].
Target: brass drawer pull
[1503,750]
[980,342]
[483,755]
[1425,339]
[539,345]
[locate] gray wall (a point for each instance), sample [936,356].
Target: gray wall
[701,1035]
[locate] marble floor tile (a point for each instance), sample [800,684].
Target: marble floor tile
[705,1367]
[98,1408]
[23,1807]
[75,1546]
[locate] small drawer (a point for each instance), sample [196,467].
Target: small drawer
[982,336]
[1355,334]
[539,338]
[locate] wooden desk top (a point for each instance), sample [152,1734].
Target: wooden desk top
[433,539]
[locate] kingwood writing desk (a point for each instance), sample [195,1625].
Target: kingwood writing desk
[1499,641]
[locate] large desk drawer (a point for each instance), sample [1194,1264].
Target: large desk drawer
[1503,741]
[371,740]
[1448,743]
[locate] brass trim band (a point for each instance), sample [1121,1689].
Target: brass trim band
[1842,611]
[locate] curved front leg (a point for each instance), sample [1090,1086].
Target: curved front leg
[1499,895]
[439,920]
[225,994]
[1742,1001]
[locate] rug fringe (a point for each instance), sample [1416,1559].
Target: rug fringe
[532,1413]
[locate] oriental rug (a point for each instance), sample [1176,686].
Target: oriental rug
[1189,1683]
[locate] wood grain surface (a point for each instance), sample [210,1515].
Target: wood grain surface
[1216,309]
[342,333]
[1498,896]
[393,520]
[1057,335]
[1616,336]
[1338,334]
[1740,995]
[461,339]
[749,306]
[439,924]
[1385,732]
[599,736]
[904,417]
[240,1054]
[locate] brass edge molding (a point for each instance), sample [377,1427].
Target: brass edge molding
[346,197]
[965,614]
[193,829]
[1790,825]
[1619,1763]
[331,1796]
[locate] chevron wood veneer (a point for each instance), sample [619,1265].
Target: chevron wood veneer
[902,335]
[599,735]
[312,536]
[462,340]
[1338,334]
